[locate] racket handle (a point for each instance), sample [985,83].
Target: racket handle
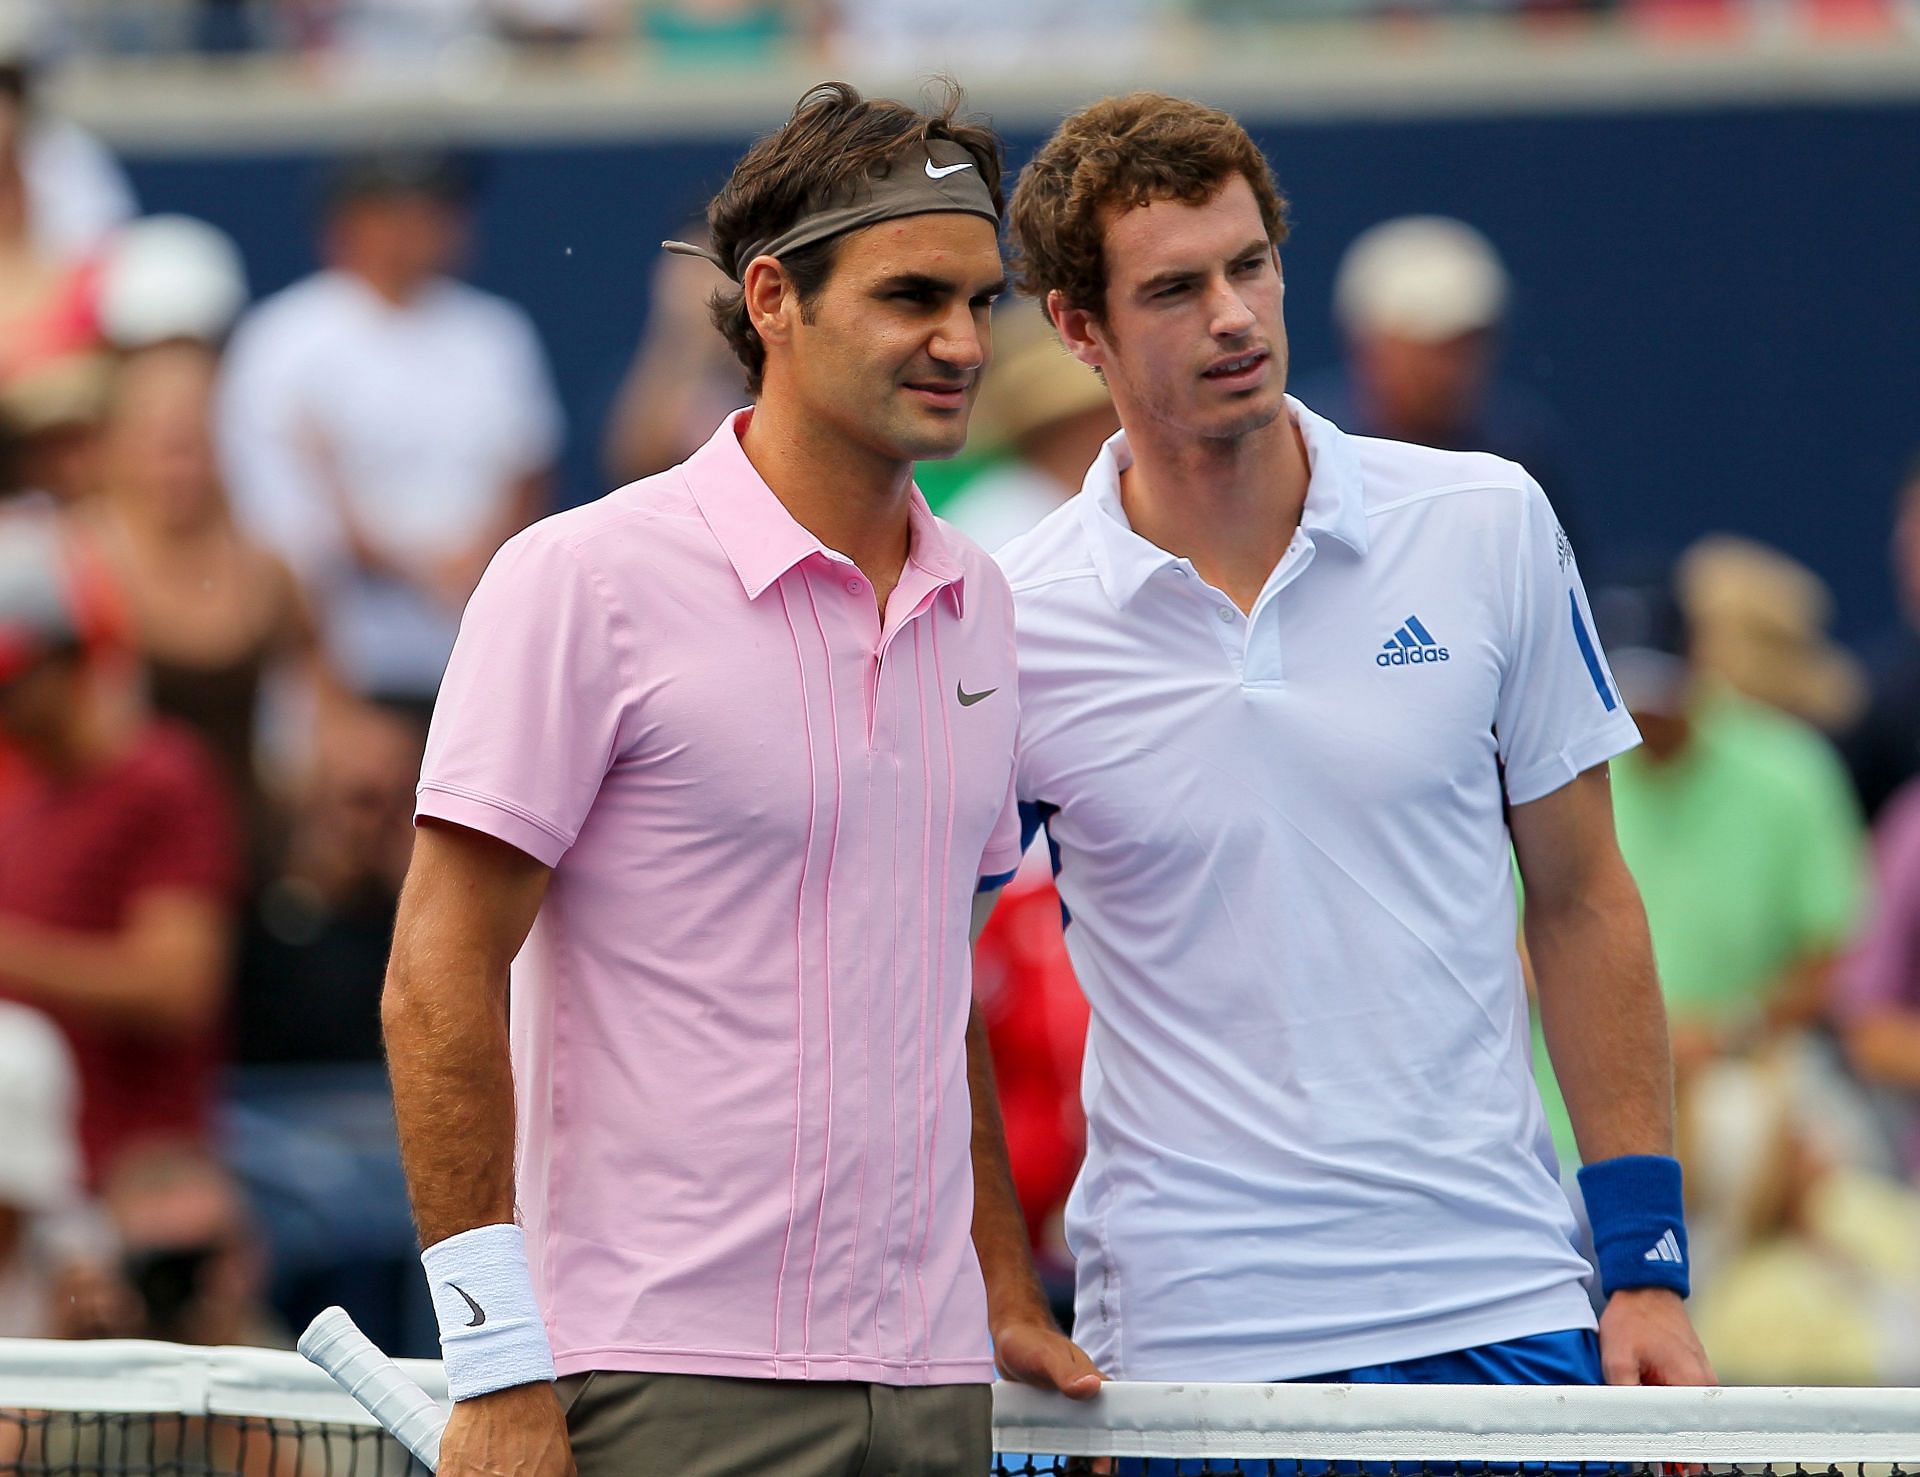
[408,1413]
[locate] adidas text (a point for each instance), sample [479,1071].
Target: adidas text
[1411,656]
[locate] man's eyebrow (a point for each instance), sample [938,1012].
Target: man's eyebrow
[1173,276]
[927,282]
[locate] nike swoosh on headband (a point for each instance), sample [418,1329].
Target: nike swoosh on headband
[945,169]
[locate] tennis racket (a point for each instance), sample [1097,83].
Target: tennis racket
[407,1412]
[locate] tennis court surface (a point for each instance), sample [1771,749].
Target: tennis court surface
[119,1409]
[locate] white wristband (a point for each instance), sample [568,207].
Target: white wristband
[491,1332]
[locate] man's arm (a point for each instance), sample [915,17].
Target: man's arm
[165,970]
[1028,1346]
[1606,1031]
[468,905]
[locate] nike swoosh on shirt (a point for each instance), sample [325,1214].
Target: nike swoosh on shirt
[968,699]
[479,1313]
[945,169]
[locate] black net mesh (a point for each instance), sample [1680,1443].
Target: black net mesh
[90,1444]
[144,1444]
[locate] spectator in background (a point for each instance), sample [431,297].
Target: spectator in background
[117,863]
[1878,999]
[1049,411]
[1883,748]
[56,1279]
[51,415]
[76,192]
[310,1119]
[683,378]
[212,612]
[1739,826]
[988,33]
[385,427]
[1759,622]
[1421,302]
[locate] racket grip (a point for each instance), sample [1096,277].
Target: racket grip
[409,1414]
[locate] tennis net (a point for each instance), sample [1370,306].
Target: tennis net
[122,1409]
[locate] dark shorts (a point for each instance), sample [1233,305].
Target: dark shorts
[692,1425]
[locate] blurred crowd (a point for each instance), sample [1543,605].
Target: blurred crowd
[236,536]
[389,34]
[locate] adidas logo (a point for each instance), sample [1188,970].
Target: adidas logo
[1410,646]
[1666,1249]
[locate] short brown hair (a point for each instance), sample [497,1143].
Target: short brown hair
[1125,151]
[835,135]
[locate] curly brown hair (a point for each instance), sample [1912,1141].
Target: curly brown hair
[1125,152]
[834,135]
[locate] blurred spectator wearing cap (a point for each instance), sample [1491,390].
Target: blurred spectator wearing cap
[77,194]
[1049,412]
[1759,623]
[1883,748]
[1421,302]
[212,613]
[1739,825]
[117,862]
[386,428]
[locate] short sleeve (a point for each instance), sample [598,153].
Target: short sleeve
[537,701]
[1559,713]
[1001,859]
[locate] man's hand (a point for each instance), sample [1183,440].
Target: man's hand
[1039,1354]
[517,1432]
[1646,1339]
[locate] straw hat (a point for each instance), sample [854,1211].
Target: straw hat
[1033,382]
[1759,621]
[65,392]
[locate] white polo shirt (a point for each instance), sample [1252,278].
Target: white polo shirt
[1314,1141]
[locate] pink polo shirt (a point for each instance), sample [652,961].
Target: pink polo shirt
[739,1024]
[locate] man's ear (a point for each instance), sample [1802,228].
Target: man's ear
[1078,330]
[772,306]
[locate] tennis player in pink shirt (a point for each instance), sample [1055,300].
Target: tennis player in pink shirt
[720,764]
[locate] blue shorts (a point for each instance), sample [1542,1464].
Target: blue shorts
[1569,1357]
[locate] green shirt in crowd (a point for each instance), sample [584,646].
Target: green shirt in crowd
[1750,853]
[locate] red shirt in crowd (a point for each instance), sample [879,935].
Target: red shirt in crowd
[1036,1020]
[77,855]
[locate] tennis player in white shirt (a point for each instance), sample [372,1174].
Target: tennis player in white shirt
[1290,701]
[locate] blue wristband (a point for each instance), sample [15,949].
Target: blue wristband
[1639,1222]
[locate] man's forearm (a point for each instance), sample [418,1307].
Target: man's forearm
[446,1035]
[1603,1018]
[1014,1294]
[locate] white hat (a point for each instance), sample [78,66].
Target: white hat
[1423,277]
[24,33]
[39,1108]
[170,277]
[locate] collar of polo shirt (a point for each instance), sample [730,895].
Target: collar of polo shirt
[1125,561]
[762,540]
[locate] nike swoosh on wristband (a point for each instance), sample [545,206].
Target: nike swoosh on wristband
[945,169]
[479,1313]
[968,699]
